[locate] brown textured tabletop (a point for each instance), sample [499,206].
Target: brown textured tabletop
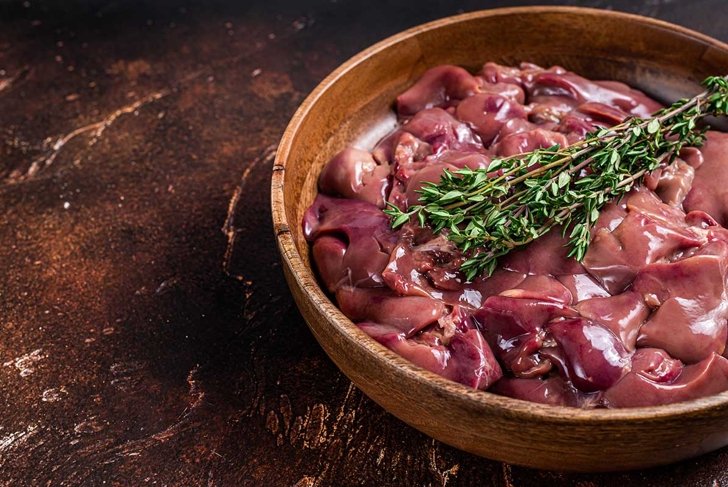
[147,336]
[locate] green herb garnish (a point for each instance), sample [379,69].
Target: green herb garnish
[488,214]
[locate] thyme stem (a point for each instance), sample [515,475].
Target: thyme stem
[515,200]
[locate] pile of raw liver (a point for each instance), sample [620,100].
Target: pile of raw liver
[641,321]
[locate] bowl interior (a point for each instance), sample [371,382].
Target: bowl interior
[353,106]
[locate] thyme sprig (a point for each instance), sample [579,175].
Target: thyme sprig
[515,200]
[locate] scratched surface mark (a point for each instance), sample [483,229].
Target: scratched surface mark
[148,337]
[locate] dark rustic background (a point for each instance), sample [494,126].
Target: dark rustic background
[147,334]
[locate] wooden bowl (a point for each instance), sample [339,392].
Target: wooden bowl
[353,105]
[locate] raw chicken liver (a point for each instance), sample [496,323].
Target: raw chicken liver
[641,321]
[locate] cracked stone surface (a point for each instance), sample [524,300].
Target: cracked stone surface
[147,334]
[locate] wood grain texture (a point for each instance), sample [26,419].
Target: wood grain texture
[143,345]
